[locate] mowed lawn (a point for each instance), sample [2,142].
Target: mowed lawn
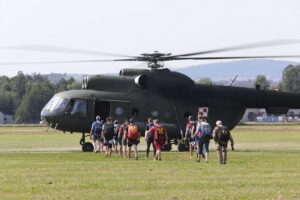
[36,164]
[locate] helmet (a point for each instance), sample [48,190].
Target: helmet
[131,120]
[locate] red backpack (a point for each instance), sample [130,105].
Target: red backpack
[133,132]
[160,134]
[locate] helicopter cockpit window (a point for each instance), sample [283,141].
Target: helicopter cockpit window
[57,104]
[79,108]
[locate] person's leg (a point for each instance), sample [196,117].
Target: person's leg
[136,156]
[206,145]
[225,154]
[148,148]
[125,148]
[219,152]
[129,150]
[154,149]
[191,150]
[120,147]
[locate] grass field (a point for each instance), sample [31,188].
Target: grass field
[36,164]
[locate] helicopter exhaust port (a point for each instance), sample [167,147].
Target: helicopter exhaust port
[142,81]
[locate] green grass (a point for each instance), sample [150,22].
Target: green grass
[36,164]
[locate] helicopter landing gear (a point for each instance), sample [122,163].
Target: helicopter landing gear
[183,145]
[86,146]
[167,147]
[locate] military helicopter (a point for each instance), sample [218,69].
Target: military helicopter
[159,93]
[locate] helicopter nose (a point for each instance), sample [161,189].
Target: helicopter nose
[47,117]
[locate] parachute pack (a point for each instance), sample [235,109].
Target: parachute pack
[133,132]
[109,130]
[224,135]
[206,129]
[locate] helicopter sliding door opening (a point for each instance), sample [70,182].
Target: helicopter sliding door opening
[102,109]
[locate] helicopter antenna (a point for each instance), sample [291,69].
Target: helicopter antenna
[233,80]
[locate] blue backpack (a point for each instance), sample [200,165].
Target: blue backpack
[98,127]
[206,129]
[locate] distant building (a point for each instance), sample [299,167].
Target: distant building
[5,119]
[260,115]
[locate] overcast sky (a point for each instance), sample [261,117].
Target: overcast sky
[133,26]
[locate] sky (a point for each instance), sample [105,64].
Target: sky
[133,27]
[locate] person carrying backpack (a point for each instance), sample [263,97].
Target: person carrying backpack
[133,138]
[203,134]
[122,138]
[221,137]
[108,135]
[149,136]
[95,134]
[189,135]
[160,138]
[117,142]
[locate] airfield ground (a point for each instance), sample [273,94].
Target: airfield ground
[36,164]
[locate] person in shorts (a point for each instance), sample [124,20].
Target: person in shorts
[160,138]
[95,134]
[117,126]
[133,136]
[108,135]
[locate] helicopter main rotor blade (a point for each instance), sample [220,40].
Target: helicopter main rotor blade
[235,57]
[63,62]
[240,47]
[58,49]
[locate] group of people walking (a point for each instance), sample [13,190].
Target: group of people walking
[119,136]
[111,134]
[199,133]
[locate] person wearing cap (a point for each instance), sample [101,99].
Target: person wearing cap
[108,135]
[221,135]
[95,134]
[133,138]
[117,142]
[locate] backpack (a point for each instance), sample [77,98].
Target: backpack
[109,130]
[116,129]
[133,132]
[98,127]
[206,129]
[224,135]
[160,134]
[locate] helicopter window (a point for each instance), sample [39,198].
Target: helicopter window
[135,112]
[61,105]
[52,103]
[119,111]
[79,108]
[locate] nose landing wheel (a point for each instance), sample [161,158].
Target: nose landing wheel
[86,146]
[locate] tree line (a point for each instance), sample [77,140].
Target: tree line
[24,96]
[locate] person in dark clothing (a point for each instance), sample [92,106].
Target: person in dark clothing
[149,136]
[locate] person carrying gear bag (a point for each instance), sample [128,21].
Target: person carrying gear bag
[133,138]
[221,137]
[160,138]
[95,134]
[108,135]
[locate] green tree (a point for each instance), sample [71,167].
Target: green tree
[262,81]
[291,78]
[33,102]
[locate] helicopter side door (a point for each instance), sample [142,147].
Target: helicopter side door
[116,109]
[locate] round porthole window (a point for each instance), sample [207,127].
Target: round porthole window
[119,111]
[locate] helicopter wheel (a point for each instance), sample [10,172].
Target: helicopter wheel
[87,147]
[81,141]
[183,145]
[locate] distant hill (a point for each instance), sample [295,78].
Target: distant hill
[245,69]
